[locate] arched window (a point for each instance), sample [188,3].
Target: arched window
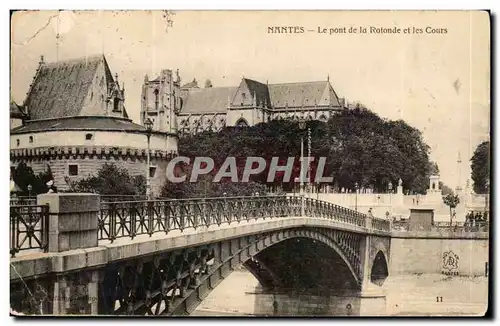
[31,139]
[116,103]
[157,98]
[241,123]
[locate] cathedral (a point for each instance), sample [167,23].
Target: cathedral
[190,109]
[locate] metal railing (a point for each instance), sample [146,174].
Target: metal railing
[29,228]
[22,201]
[133,218]
[471,226]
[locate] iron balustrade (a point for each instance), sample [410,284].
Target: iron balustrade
[29,228]
[22,201]
[132,218]
[468,226]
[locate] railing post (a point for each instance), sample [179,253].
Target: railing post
[73,220]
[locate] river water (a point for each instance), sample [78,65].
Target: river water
[408,295]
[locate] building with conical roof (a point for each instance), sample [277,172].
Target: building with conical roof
[74,119]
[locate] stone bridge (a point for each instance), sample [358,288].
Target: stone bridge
[73,254]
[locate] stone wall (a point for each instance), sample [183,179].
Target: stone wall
[90,164]
[415,255]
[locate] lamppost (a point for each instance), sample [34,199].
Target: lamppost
[302,126]
[390,194]
[309,185]
[356,187]
[30,187]
[149,128]
[486,203]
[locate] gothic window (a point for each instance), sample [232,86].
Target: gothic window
[155,92]
[116,103]
[242,123]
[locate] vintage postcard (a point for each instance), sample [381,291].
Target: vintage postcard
[250,163]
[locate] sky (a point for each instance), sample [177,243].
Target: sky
[438,83]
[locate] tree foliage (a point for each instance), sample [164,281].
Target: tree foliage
[480,165]
[23,176]
[445,190]
[359,146]
[110,180]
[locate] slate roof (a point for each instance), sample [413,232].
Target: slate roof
[192,84]
[259,90]
[277,96]
[205,100]
[59,89]
[79,123]
[297,94]
[16,111]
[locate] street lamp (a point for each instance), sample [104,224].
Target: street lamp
[149,128]
[30,187]
[309,185]
[486,203]
[356,187]
[390,193]
[302,126]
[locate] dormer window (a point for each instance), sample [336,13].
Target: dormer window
[116,104]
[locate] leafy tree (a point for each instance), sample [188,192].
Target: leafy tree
[110,180]
[24,176]
[451,201]
[480,165]
[445,190]
[359,146]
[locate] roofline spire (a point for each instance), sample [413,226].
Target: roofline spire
[328,78]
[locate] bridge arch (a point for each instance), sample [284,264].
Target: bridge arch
[379,270]
[176,282]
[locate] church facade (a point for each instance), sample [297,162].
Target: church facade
[74,120]
[191,109]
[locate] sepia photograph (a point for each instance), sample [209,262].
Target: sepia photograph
[217,163]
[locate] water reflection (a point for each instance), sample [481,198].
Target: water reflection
[411,295]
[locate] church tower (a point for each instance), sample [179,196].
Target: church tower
[161,101]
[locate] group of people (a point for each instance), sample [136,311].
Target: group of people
[476,218]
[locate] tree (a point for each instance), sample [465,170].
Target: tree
[24,176]
[208,83]
[445,190]
[359,147]
[480,165]
[451,201]
[110,180]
